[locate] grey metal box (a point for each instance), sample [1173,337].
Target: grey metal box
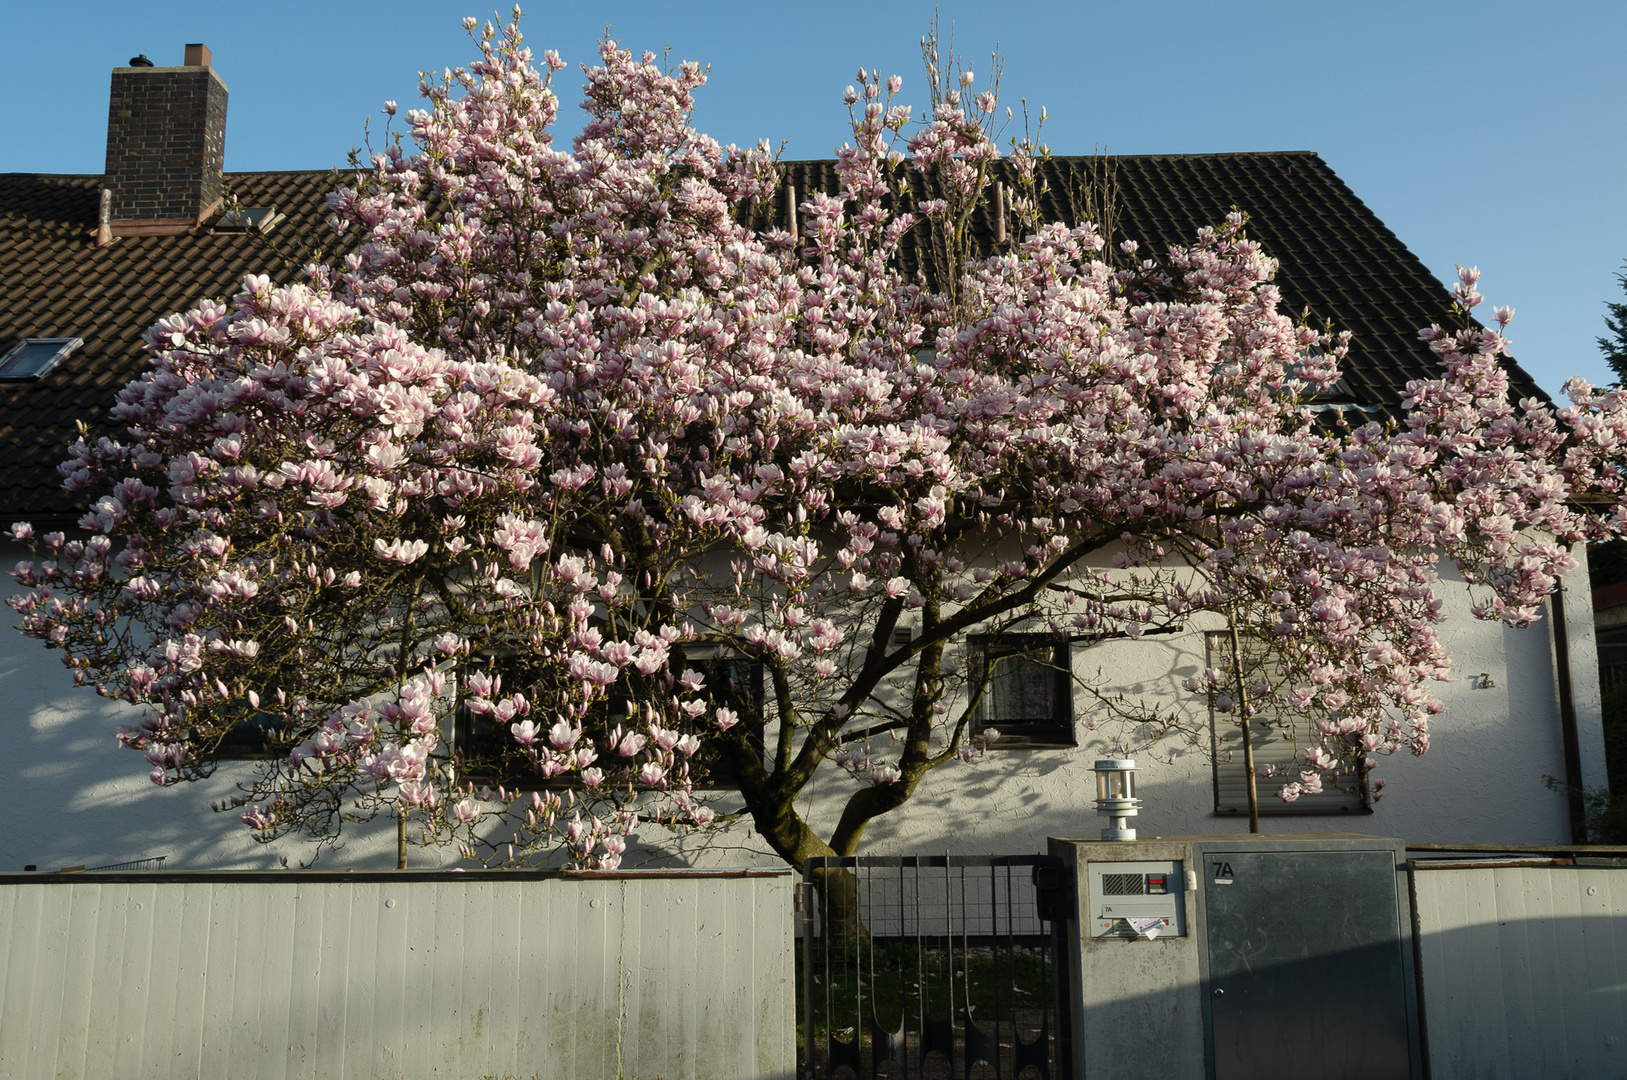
[1297,962]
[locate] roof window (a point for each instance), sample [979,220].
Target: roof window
[33,357]
[260,219]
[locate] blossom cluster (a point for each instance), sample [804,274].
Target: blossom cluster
[495,503]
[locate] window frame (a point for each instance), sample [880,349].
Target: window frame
[1060,732]
[248,219]
[65,347]
[250,739]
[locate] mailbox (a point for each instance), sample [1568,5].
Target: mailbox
[1137,900]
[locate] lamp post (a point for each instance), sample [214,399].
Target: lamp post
[1116,796]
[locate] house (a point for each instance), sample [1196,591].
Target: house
[1610,619]
[91,261]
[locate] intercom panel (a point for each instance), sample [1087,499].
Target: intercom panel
[1137,900]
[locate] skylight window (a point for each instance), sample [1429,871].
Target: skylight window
[260,219]
[33,357]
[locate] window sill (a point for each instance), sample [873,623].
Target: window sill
[1292,810]
[1019,743]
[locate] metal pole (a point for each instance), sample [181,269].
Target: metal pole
[1418,963]
[805,905]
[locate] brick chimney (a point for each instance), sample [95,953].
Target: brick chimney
[166,147]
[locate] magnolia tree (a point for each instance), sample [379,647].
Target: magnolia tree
[573,425]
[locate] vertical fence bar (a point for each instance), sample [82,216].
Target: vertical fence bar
[1009,985]
[922,1042]
[994,962]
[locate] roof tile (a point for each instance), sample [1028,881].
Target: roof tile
[1338,261]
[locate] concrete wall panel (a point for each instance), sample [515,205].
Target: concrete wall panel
[1524,971]
[289,976]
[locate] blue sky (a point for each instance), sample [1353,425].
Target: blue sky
[1489,134]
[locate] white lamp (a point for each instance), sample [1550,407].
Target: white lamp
[1116,796]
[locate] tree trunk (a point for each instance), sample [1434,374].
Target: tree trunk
[1253,790]
[838,887]
[1242,721]
[839,903]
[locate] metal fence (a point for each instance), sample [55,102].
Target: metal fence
[932,966]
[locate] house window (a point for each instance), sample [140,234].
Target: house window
[260,219]
[1027,690]
[733,682]
[33,357]
[486,747]
[251,737]
[1280,739]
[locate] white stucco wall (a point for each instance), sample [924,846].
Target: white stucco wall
[1481,782]
[73,797]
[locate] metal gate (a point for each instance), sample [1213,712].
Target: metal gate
[941,966]
[1305,965]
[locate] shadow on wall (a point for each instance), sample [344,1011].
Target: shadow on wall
[74,797]
[77,798]
[1473,788]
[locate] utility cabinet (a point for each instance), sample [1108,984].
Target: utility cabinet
[1242,958]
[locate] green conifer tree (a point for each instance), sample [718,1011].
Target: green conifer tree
[1614,344]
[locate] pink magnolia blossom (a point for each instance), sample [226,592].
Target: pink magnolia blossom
[402,551]
[581,432]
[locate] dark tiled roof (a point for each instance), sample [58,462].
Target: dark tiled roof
[1338,260]
[54,282]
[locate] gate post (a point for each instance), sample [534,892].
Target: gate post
[1056,891]
[1134,999]
[805,900]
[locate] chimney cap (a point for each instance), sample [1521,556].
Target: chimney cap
[140,60]
[197,55]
